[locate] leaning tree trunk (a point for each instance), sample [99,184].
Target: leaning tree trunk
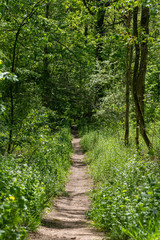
[140,65]
[129,54]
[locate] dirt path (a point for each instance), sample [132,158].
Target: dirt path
[67,218]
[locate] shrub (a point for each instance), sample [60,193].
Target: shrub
[34,173]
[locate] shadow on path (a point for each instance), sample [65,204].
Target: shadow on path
[67,219]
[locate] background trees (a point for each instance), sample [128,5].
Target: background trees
[54,47]
[91,63]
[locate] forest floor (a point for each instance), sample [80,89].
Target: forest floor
[67,220]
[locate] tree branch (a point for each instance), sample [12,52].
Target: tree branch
[24,21]
[68,49]
[89,10]
[111,25]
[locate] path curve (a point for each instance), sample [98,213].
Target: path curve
[67,219]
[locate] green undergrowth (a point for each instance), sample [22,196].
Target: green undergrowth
[32,175]
[126,196]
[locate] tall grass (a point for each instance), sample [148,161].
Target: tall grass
[125,200]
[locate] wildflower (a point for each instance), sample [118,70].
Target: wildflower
[12,198]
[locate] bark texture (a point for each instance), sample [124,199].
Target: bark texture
[129,54]
[140,66]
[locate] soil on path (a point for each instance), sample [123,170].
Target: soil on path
[67,218]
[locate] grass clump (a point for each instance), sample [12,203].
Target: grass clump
[125,200]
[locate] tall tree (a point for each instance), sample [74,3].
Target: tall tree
[140,65]
[18,28]
[129,53]
[98,9]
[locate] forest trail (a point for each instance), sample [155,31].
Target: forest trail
[67,219]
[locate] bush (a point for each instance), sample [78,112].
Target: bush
[34,173]
[22,193]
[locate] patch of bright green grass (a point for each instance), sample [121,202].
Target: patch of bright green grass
[125,200]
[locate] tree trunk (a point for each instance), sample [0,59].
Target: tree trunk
[11,120]
[99,25]
[129,54]
[46,75]
[86,33]
[45,60]
[144,54]
[11,95]
[137,131]
[100,33]
[140,66]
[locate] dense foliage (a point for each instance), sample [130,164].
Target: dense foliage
[32,175]
[125,200]
[87,62]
